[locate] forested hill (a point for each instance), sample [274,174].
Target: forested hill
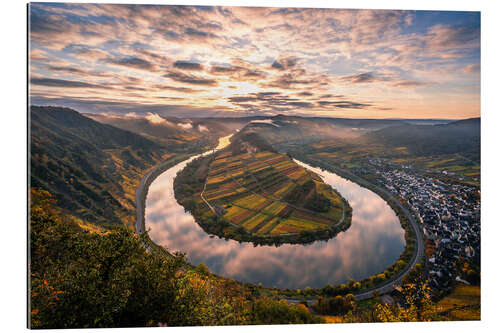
[462,137]
[249,140]
[179,134]
[92,169]
[73,125]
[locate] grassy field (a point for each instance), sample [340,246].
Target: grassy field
[464,303]
[352,155]
[252,188]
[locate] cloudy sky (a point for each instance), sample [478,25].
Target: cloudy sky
[235,61]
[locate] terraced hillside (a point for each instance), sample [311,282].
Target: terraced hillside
[268,193]
[247,193]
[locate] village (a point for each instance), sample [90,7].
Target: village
[449,215]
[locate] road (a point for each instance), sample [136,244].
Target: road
[139,202]
[388,286]
[141,192]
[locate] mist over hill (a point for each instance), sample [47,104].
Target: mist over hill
[175,132]
[247,141]
[434,138]
[462,137]
[89,167]
[91,163]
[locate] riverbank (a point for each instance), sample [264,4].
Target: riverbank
[173,243]
[143,188]
[190,184]
[142,192]
[413,233]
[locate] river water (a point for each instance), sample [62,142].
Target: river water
[374,240]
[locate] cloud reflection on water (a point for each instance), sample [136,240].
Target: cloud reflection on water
[373,242]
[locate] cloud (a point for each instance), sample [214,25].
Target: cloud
[202,128]
[178,89]
[302,53]
[105,106]
[277,102]
[76,71]
[84,51]
[192,32]
[331,96]
[344,104]
[290,81]
[441,36]
[48,82]
[155,119]
[132,62]
[226,69]
[132,115]
[409,84]
[361,78]
[472,68]
[284,63]
[191,79]
[65,69]
[38,55]
[264,121]
[242,72]
[185,126]
[47,25]
[188,65]
[301,104]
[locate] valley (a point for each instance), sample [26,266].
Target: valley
[249,192]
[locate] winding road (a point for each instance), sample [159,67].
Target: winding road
[387,286]
[139,202]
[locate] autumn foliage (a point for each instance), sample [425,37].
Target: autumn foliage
[80,279]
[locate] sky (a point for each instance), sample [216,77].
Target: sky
[194,61]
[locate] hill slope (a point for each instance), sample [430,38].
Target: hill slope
[178,134]
[91,168]
[461,136]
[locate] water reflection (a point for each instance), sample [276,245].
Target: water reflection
[373,242]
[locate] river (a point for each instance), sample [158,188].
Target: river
[373,242]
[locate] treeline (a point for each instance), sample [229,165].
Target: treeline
[307,196]
[318,203]
[299,193]
[80,279]
[337,305]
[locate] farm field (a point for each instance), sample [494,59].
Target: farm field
[352,155]
[254,191]
[464,303]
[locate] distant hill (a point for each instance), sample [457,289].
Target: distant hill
[178,134]
[91,168]
[249,142]
[462,137]
[283,129]
[163,130]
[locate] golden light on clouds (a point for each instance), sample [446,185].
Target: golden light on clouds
[202,61]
